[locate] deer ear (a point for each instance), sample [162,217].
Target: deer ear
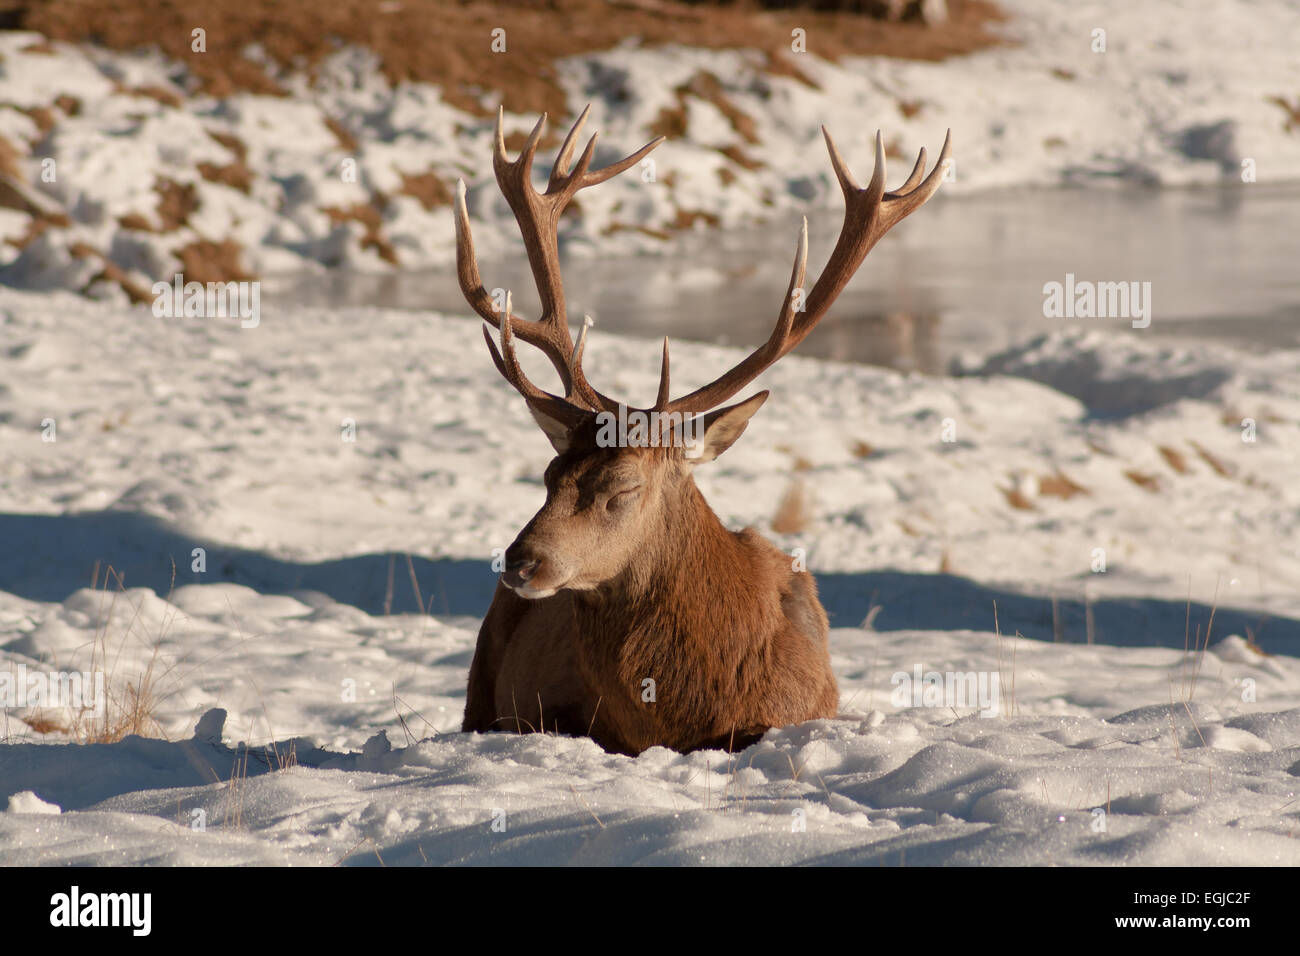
[721,429]
[558,432]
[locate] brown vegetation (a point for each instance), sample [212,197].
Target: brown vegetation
[370,216]
[449,42]
[793,513]
[206,261]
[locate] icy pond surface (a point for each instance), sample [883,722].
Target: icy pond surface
[966,275]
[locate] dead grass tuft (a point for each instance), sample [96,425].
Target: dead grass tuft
[793,513]
[232,143]
[740,157]
[347,142]
[687,219]
[42,116]
[1059,485]
[109,272]
[1218,465]
[1016,499]
[1292,124]
[370,216]
[1151,483]
[159,94]
[1174,459]
[9,157]
[176,203]
[207,261]
[909,108]
[430,190]
[235,175]
[69,104]
[130,705]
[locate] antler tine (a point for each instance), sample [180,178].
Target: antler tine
[522,167]
[914,176]
[876,188]
[662,399]
[507,363]
[561,167]
[613,169]
[904,202]
[575,360]
[868,214]
[847,182]
[538,334]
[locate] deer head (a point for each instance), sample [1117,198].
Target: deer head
[620,492]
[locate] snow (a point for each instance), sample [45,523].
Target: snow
[1160,105]
[327,729]
[1101,525]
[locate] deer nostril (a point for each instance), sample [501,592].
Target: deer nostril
[522,569]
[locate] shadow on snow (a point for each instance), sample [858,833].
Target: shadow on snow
[47,557]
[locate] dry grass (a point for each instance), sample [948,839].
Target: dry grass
[207,261]
[347,142]
[794,511]
[1174,459]
[448,42]
[1059,485]
[158,94]
[428,188]
[109,272]
[370,216]
[910,108]
[43,117]
[235,175]
[1151,483]
[1292,124]
[1218,465]
[9,157]
[176,203]
[1006,689]
[689,218]
[1016,499]
[1194,648]
[130,704]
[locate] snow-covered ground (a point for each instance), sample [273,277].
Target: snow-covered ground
[183,508]
[176,434]
[1183,93]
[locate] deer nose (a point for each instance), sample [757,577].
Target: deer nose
[519,570]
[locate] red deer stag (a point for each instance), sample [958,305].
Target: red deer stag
[627,611]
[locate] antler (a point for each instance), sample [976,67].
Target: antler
[868,214]
[538,215]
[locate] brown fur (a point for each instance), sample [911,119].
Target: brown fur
[733,638]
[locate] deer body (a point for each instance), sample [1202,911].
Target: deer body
[733,639]
[627,611]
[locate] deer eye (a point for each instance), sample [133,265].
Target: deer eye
[621,498]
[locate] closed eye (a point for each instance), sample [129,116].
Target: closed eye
[620,498]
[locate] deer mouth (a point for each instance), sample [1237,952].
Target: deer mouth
[530,579]
[533,594]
